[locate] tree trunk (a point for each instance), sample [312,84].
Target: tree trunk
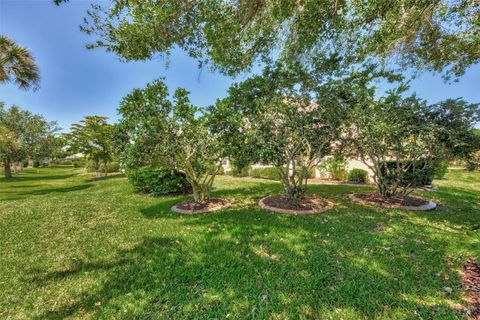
[200,192]
[8,170]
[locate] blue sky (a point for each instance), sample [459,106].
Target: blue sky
[77,82]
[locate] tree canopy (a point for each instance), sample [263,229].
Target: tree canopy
[24,135]
[234,35]
[93,137]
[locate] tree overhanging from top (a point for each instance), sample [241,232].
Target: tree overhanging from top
[232,36]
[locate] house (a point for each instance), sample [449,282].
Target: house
[351,164]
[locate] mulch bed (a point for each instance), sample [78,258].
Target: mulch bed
[194,207]
[471,285]
[305,205]
[397,202]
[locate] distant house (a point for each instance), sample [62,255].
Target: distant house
[75,156]
[351,164]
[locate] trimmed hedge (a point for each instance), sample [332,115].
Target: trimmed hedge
[158,181]
[419,173]
[358,175]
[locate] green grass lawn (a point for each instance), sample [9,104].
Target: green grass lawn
[71,247]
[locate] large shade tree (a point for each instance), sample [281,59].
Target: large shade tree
[17,65]
[23,135]
[170,133]
[234,35]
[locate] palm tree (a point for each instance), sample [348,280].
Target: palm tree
[17,65]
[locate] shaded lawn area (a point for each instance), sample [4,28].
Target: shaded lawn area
[76,248]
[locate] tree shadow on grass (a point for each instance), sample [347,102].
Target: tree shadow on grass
[462,208]
[40,192]
[261,270]
[36,177]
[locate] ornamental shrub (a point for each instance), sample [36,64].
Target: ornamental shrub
[358,175]
[417,173]
[158,181]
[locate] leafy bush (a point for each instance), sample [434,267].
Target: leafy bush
[158,181]
[25,163]
[335,168]
[417,173]
[265,173]
[358,175]
[36,164]
[441,169]
[79,163]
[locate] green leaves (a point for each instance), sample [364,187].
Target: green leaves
[24,134]
[93,137]
[173,133]
[324,35]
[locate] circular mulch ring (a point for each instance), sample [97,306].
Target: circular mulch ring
[396,202]
[306,205]
[205,206]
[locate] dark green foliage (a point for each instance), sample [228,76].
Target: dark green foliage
[233,36]
[173,133]
[79,163]
[25,163]
[240,167]
[441,169]
[358,175]
[36,164]
[408,173]
[158,181]
[471,165]
[265,173]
